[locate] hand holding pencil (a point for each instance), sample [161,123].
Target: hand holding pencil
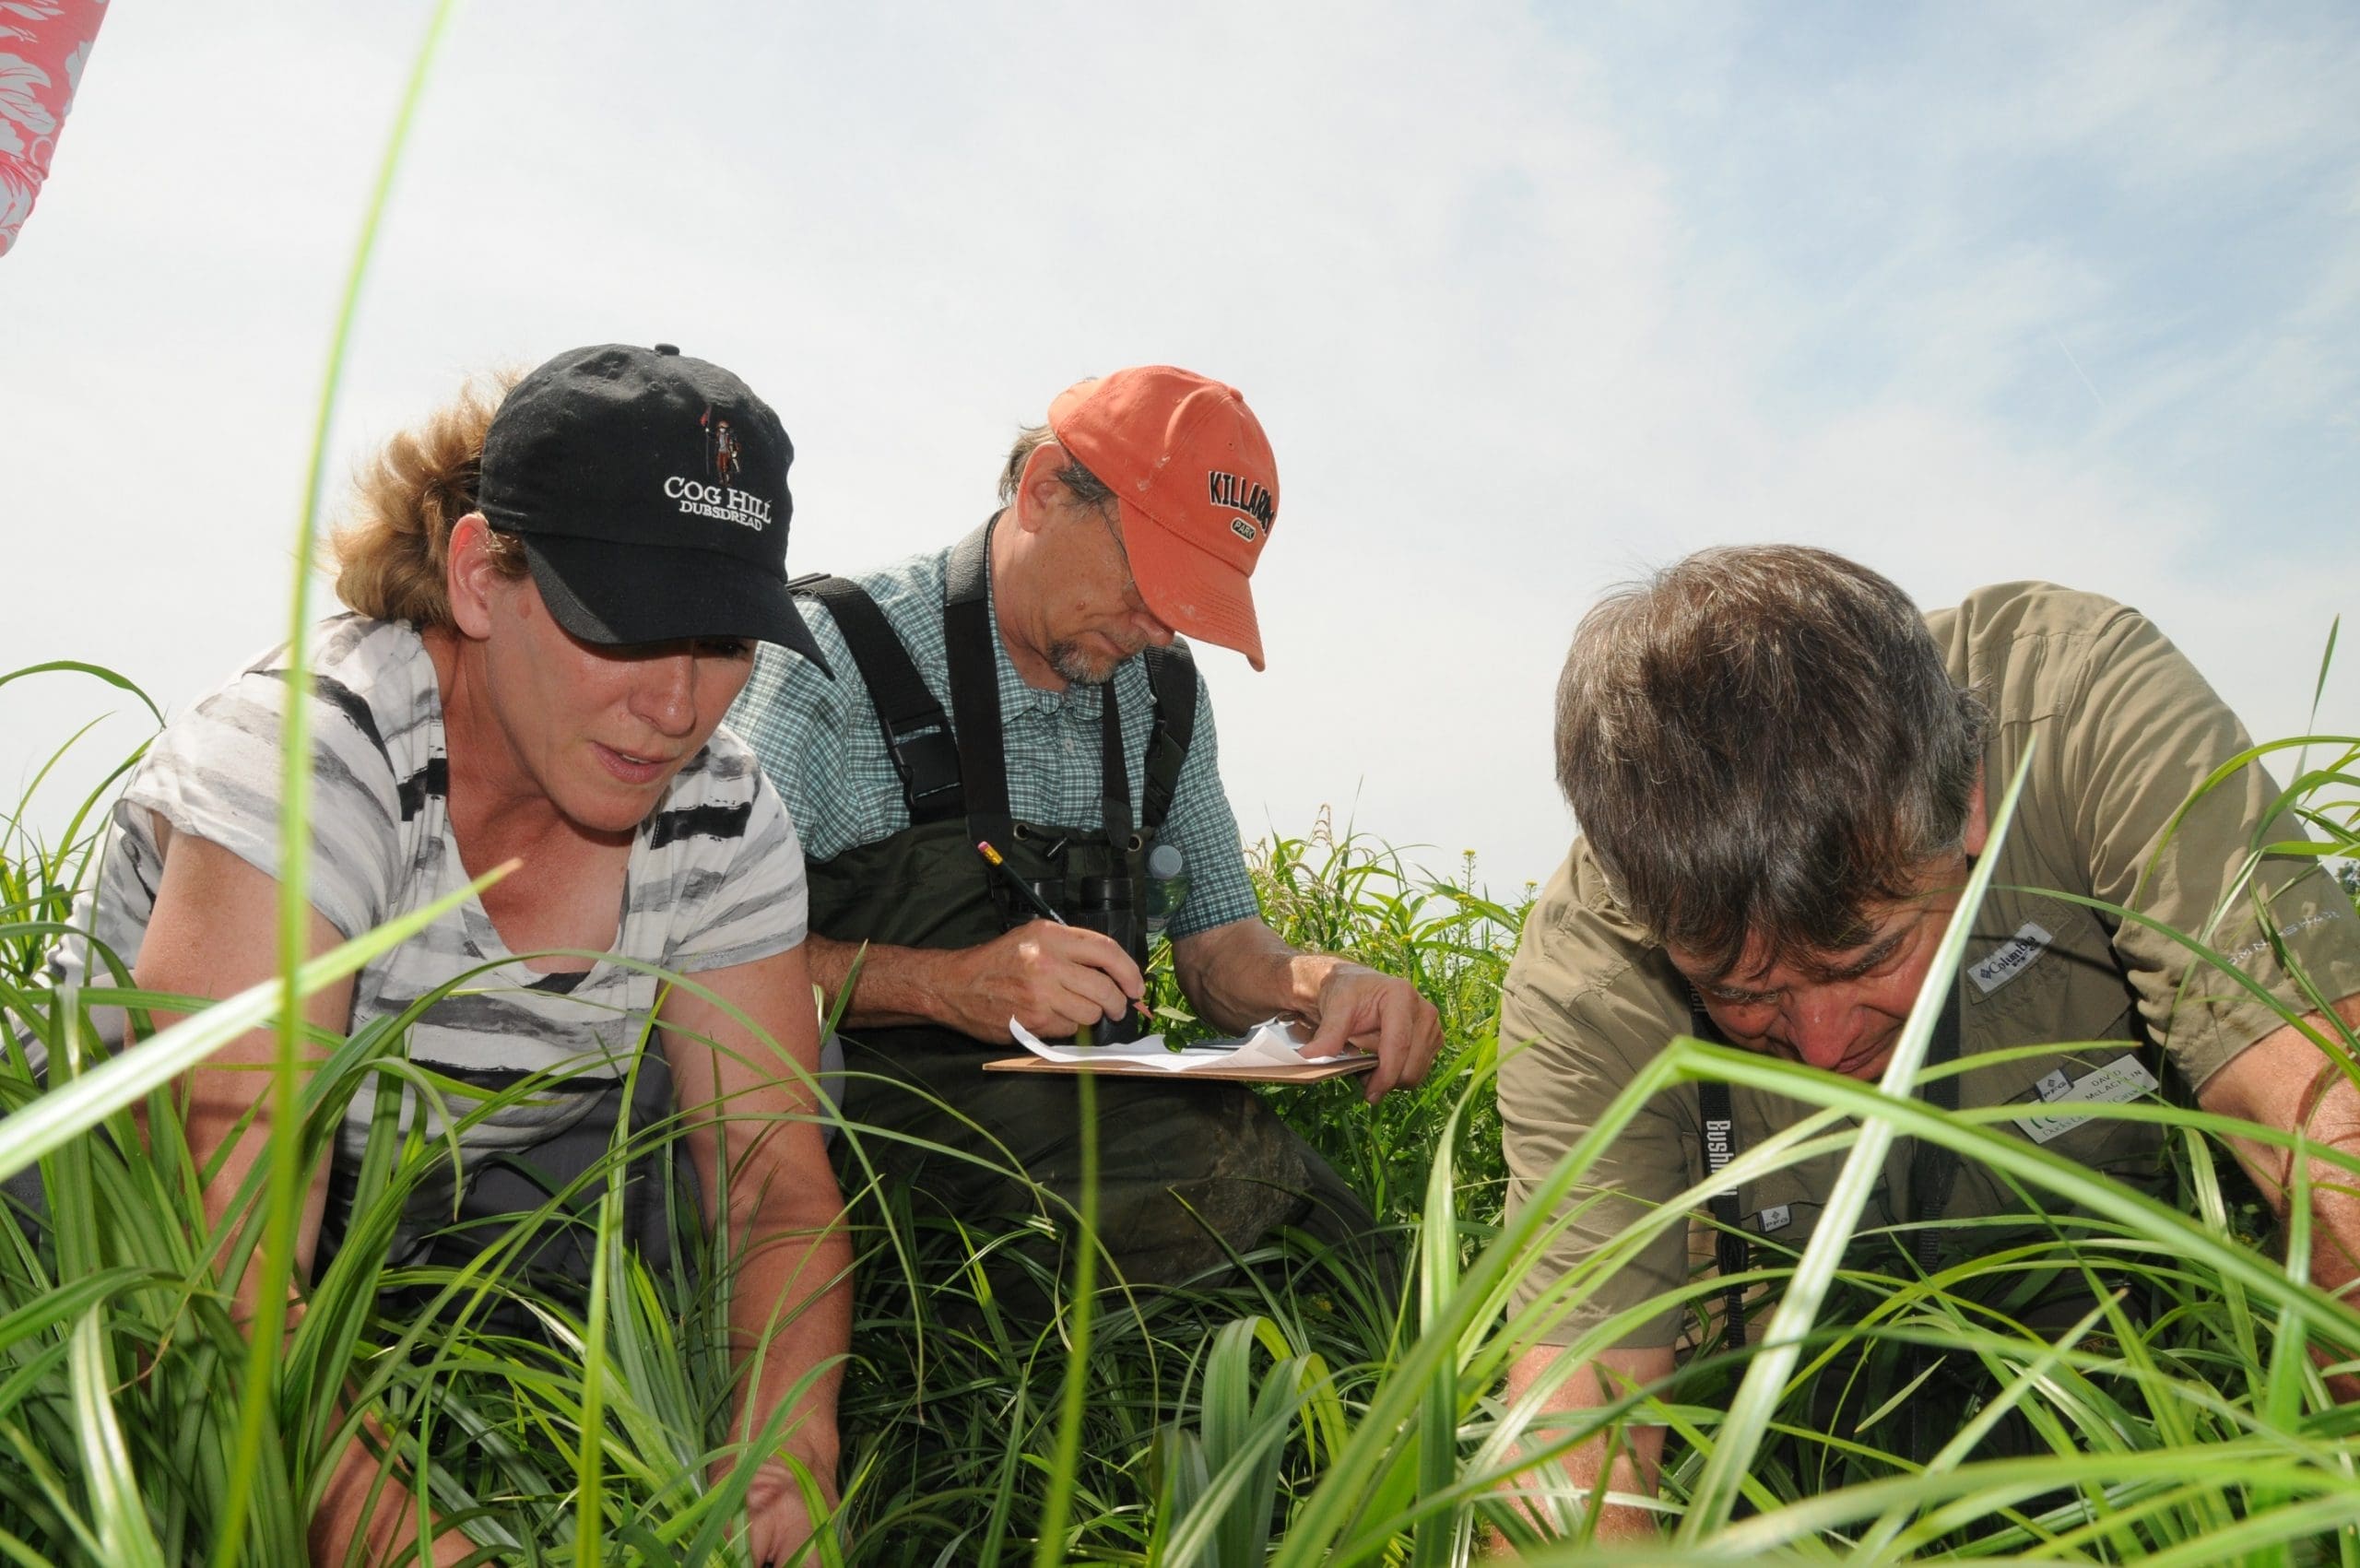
[1126,977]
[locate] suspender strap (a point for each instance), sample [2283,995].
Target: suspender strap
[917,736]
[1113,771]
[1733,1254]
[1172,676]
[974,680]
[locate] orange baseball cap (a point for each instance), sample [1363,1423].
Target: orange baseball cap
[1197,489]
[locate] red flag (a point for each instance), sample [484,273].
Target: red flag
[42,46]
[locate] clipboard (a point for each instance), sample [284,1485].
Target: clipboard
[1307,1072]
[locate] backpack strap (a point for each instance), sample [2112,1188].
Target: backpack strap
[1171,677]
[917,736]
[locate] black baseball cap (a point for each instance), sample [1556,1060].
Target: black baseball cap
[649,491]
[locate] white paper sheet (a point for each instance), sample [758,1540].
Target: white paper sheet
[1272,1045]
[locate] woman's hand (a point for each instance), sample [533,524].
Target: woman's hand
[778,1521]
[383,1525]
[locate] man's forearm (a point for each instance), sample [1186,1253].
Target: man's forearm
[1560,1511]
[1236,975]
[2285,1082]
[2335,1211]
[368,1502]
[895,987]
[1634,1457]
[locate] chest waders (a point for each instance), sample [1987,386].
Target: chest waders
[1192,1173]
[1933,1168]
[1185,1170]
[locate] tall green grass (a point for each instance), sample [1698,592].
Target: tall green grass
[1285,1412]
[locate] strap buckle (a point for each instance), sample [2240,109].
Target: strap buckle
[928,760]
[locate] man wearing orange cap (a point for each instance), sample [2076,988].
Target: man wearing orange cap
[1026,688]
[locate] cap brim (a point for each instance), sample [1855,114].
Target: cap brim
[1190,590]
[613,593]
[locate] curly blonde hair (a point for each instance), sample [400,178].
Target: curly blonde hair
[392,541]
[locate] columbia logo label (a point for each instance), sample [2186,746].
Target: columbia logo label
[2010,958]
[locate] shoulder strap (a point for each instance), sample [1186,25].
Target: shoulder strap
[1733,1254]
[1171,677]
[917,736]
[1113,770]
[974,676]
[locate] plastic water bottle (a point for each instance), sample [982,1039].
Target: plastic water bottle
[1167,884]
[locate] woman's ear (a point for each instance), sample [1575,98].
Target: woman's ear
[471,575]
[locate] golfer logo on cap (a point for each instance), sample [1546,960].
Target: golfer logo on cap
[721,449]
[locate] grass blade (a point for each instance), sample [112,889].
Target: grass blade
[124,1534]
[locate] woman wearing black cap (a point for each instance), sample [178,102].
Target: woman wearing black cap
[541,653]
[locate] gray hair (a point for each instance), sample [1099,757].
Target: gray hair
[1762,740]
[1086,486]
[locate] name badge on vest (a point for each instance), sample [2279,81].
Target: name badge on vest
[2119,1081]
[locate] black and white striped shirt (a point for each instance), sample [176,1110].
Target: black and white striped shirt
[715,879]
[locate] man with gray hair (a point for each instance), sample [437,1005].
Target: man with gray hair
[1031,689]
[1780,770]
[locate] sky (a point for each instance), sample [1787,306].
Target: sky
[1531,299]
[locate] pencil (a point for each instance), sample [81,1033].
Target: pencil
[1032,894]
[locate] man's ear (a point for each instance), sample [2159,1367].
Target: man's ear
[1038,488]
[1978,826]
[471,575]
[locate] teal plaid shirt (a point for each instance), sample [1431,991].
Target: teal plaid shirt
[823,748]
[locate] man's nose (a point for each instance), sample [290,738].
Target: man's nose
[1158,634]
[1823,1026]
